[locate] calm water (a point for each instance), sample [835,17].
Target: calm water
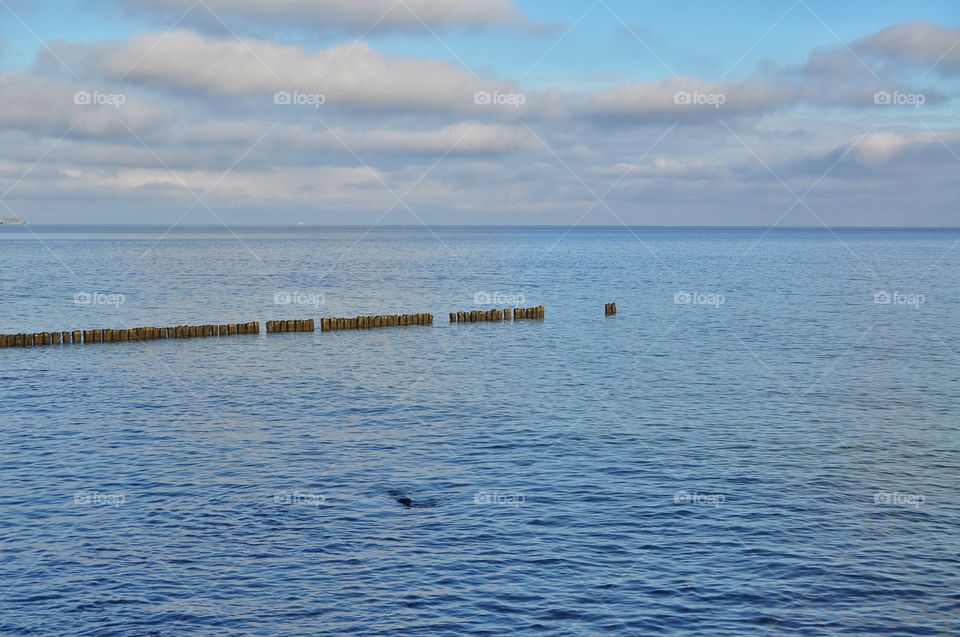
[777,457]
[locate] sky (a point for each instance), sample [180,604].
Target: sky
[600,112]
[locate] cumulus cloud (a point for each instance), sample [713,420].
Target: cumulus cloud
[918,42]
[202,113]
[352,74]
[338,15]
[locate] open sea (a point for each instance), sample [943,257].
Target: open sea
[765,439]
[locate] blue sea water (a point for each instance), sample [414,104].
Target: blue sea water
[756,444]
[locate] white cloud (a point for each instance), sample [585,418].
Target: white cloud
[339,15]
[919,42]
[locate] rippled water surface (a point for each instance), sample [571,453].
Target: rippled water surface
[777,457]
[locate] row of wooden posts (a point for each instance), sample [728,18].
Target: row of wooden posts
[132,334]
[273,327]
[367,322]
[277,327]
[479,316]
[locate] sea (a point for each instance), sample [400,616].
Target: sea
[763,440]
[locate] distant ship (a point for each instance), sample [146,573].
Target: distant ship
[13,221]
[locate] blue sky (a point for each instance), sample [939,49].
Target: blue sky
[599,81]
[692,37]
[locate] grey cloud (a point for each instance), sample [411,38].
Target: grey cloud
[685,99]
[51,107]
[349,75]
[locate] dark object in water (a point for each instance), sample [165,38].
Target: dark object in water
[407,502]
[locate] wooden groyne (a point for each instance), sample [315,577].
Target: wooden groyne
[528,313]
[277,327]
[133,334]
[368,322]
[609,309]
[273,327]
[480,316]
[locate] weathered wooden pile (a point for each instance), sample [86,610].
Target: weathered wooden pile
[479,316]
[277,327]
[609,309]
[132,334]
[528,313]
[367,322]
